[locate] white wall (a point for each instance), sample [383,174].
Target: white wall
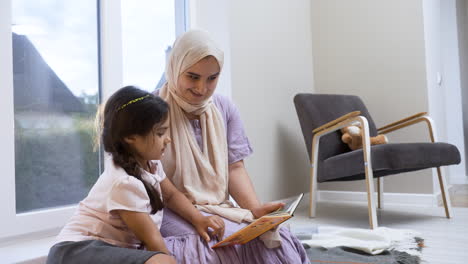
[451,85]
[213,16]
[433,51]
[465,83]
[462,15]
[376,50]
[271,61]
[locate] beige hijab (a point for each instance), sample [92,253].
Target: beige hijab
[201,174]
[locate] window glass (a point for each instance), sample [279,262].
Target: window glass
[148,31]
[56,91]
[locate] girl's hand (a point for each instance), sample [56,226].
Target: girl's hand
[161,259]
[264,209]
[214,222]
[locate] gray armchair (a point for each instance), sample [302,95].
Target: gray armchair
[322,116]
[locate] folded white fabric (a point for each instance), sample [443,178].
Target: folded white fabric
[370,241]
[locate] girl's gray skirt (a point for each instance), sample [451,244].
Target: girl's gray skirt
[96,252]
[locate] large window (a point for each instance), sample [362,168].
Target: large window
[56,92]
[149,28]
[58,59]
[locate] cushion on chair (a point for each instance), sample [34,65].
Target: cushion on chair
[314,110]
[389,159]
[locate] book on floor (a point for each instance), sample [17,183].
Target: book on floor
[262,224]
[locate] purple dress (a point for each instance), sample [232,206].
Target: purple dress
[187,245]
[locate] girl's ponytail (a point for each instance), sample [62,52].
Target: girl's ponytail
[131,167]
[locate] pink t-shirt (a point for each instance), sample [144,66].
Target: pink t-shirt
[96,219]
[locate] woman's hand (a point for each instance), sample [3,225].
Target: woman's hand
[266,208]
[214,222]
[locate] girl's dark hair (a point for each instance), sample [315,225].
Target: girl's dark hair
[124,116]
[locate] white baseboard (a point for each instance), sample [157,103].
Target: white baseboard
[458,179]
[388,198]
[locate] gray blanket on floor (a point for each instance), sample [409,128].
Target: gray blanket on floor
[348,255]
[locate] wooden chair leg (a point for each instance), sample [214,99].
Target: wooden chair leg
[442,181]
[371,201]
[444,193]
[369,173]
[313,178]
[380,192]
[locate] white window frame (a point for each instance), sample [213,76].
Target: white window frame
[181,16]
[46,222]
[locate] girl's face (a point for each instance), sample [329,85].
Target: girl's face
[152,145]
[199,82]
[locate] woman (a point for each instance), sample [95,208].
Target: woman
[205,161]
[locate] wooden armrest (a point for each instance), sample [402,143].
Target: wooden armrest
[336,121]
[402,121]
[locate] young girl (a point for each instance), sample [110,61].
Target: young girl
[119,220]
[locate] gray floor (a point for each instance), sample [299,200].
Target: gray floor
[458,194]
[446,240]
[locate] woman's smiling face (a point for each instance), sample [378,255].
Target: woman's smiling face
[198,82]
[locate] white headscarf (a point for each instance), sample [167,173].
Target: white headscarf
[201,174]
